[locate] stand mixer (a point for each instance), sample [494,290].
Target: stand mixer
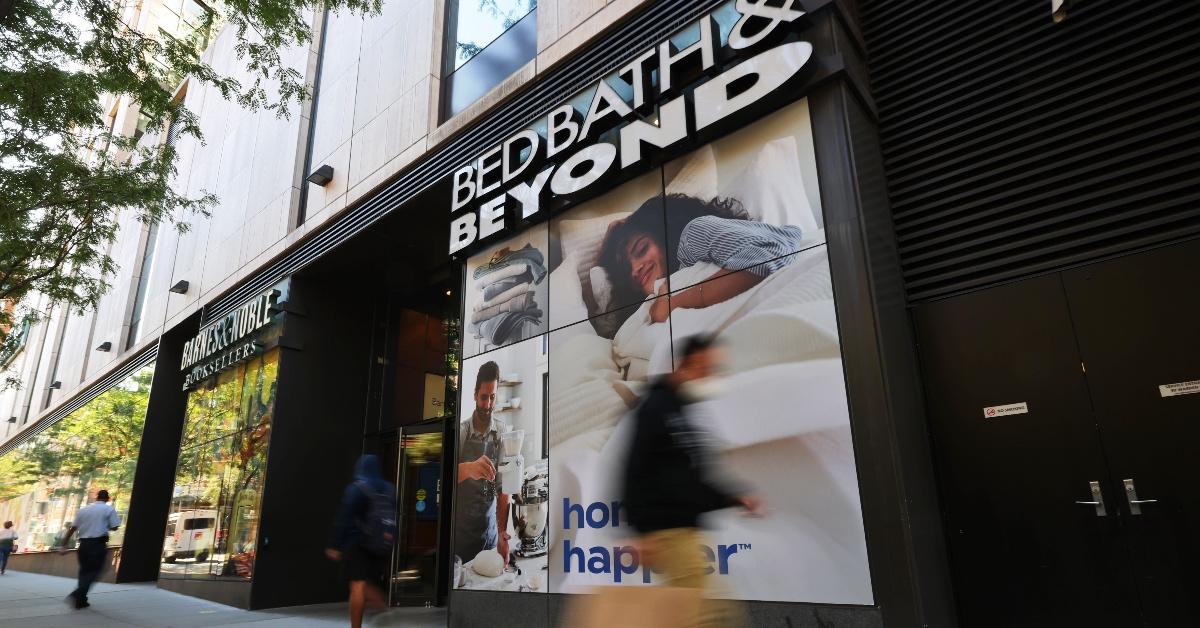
[530,509]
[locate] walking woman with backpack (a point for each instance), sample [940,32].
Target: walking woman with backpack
[363,535]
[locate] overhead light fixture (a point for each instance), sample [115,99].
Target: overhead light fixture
[104,346]
[55,384]
[447,293]
[180,287]
[321,176]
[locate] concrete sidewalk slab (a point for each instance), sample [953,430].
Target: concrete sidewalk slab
[38,601]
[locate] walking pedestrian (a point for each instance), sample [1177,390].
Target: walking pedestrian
[8,545]
[671,478]
[93,523]
[363,536]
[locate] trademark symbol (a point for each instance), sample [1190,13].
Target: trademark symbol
[744,546]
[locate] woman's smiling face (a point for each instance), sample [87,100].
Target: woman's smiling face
[647,263]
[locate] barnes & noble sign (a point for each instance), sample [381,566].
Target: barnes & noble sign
[228,341]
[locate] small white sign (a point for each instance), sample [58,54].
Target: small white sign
[1182,388]
[992,412]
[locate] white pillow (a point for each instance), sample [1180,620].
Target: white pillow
[582,238]
[698,176]
[566,295]
[601,288]
[771,187]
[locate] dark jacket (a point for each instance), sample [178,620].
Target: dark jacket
[347,527]
[668,476]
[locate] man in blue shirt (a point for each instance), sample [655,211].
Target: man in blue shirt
[93,523]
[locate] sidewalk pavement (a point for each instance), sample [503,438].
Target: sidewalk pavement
[36,601]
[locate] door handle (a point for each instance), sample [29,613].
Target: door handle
[1097,499]
[1135,504]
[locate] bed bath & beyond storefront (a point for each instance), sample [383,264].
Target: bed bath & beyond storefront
[703,182]
[709,178]
[706,183]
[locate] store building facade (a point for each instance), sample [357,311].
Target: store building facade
[520,218]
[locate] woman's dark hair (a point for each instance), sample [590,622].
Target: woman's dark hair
[679,210]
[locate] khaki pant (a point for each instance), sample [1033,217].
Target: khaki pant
[676,555]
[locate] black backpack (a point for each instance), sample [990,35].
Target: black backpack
[379,526]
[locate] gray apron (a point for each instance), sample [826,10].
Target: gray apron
[475,526]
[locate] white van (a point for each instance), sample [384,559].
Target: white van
[190,534]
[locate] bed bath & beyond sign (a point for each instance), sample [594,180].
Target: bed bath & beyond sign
[573,169]
[222,340]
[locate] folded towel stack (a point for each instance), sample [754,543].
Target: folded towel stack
[508,311]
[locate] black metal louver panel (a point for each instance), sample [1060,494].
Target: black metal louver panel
[1015,146]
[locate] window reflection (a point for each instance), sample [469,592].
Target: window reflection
[45,481]
[491,39]
[212,531]
[480,22]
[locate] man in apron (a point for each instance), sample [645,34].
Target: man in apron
[482,517]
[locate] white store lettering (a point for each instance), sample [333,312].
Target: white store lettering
[483,189]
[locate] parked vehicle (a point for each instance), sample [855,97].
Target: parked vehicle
[190,534]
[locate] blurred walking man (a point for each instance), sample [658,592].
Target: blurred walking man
[93,523]
[363,535]
[670,479]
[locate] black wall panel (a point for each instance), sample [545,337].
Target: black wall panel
[154,478]
[316,436]
[1015,146]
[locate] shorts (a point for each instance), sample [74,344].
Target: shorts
[364,565]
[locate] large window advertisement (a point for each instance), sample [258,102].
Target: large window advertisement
[47,479]
[212,528]
[727,240]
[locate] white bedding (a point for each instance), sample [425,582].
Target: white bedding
[786,409]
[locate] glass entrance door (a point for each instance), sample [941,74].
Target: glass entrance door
[418,482]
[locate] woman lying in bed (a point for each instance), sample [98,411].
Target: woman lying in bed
[719,232]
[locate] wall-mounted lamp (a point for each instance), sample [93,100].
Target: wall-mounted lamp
[180,287]
[104,346]
[12,419]
[286,307]
[321,176]
[55,385]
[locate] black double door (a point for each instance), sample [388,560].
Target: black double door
[1065,416]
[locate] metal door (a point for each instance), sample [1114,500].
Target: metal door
[1137,320]
[1018,458]
[1065,415]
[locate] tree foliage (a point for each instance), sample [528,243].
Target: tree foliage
[66,173]
[96,445]
[19,476]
